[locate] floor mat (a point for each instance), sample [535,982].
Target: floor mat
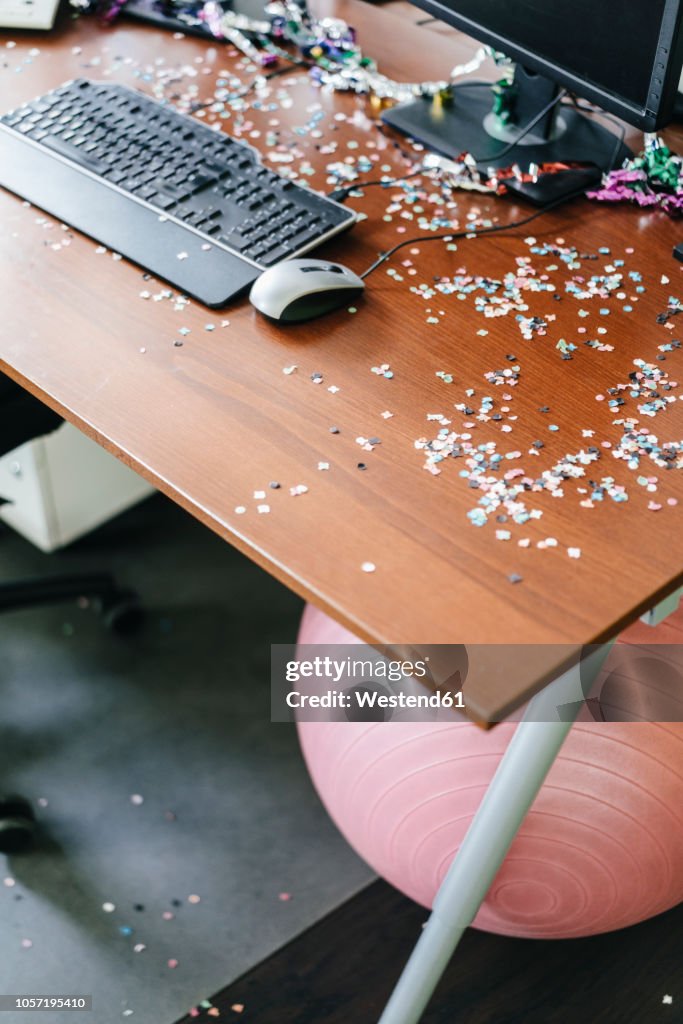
[182,841]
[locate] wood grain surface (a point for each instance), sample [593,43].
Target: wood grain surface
[216,419]
[345,966]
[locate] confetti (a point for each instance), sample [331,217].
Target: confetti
[475,439]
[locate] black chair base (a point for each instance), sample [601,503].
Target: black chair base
[119,607]
[17,824]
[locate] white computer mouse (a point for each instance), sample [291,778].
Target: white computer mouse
[297,290]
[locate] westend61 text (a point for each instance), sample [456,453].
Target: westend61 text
[367,698]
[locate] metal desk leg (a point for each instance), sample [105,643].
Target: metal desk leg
[520,774]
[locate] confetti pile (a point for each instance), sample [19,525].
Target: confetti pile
[500,476]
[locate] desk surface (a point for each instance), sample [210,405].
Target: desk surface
[216,419]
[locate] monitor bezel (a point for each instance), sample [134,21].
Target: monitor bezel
[648,118]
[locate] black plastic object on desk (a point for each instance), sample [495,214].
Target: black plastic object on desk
[553,185]
[182,17]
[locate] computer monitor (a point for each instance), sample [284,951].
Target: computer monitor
[624,56]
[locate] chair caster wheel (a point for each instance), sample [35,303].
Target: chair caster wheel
[123,613]
[17,824]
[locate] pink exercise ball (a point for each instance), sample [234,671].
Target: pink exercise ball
[601,848]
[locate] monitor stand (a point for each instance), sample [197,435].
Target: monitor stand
[467,124]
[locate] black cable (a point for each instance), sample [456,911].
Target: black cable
[525,131]
[589,108]
[452,235]
[255,81]
[342,193]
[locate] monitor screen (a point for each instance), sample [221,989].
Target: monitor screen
[624,55]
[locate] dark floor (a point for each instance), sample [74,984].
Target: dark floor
[178,715]
[342,970]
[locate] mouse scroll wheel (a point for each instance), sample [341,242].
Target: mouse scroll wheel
[332,268]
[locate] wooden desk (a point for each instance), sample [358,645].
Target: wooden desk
[213,421]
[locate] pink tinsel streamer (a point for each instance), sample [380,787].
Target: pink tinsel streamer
[632,186]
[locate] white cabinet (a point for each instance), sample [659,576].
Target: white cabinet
[62,485]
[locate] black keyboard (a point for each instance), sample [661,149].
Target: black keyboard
[186,202]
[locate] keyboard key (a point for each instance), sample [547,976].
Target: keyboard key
[236,240]
[298,241]
[196,182]
[176,191]
[58,145]
[163,201]
[280,252]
